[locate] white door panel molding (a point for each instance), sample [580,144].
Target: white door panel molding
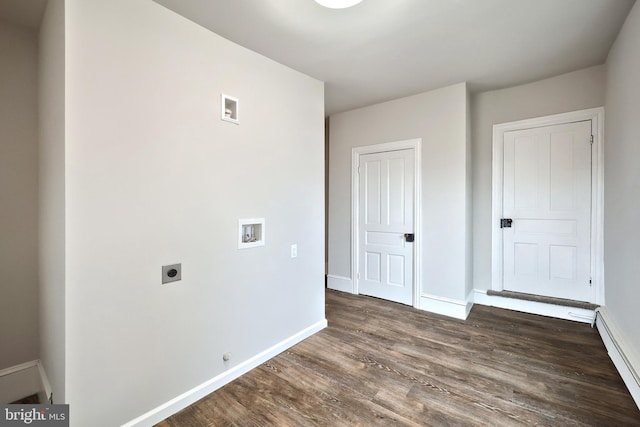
[548,179]
[385,207]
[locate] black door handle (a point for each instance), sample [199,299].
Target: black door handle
[409,237]
[506,222]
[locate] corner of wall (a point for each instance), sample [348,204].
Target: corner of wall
[52,228]
[458,309]
[469,195]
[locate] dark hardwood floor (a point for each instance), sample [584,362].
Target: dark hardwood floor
[380,363]
[29,400]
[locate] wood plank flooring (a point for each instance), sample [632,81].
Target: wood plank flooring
[384,364]
[29,400]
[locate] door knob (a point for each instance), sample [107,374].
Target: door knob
[409,237]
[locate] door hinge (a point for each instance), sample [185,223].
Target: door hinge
[592,139]
[358,276]
[589,281]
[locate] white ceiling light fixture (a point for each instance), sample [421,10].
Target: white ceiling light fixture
[338,4]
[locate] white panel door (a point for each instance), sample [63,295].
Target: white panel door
[547,194]
[386,210]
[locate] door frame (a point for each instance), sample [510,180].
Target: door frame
[356,152]
[596,115]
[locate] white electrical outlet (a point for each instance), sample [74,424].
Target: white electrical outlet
[294,251]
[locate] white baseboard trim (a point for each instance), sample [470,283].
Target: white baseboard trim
[446,306]
[624,358]
[534,307]
[180,402]
[17,382]
[340,283]
[45,394]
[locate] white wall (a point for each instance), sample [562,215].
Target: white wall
[622,182]
[19,195]
[469,195]
[154,177]
[568,92]
[439,118]
[52,196]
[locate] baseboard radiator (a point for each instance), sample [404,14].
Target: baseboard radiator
[624,358]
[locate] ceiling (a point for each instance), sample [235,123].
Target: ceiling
[26,13]
[386,49]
